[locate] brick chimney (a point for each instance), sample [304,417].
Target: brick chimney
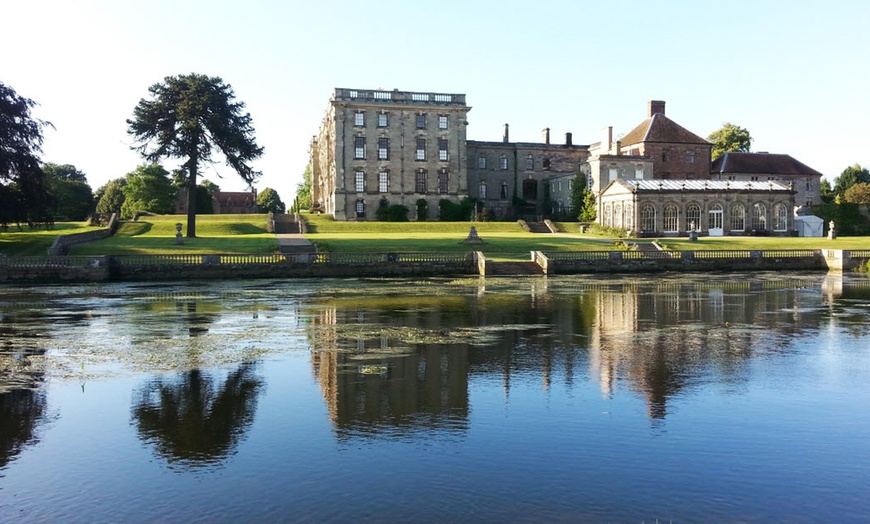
[505,139]
[568,139]
[546,135]
[656,106]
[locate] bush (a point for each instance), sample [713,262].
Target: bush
[452,212]
[422,210]
[393,213]
[846,216]
[615,232]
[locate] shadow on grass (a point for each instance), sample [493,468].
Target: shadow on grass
[244,229]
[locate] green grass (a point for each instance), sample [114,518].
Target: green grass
[718,243]
[155,235]
[35,242]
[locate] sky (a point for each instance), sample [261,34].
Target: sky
[794,73]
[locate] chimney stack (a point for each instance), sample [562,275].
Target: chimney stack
[656,106]
[506,139]
[547,135]
[607,141]
[568,140]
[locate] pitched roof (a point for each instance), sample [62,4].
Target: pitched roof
[761,163]
[659,128]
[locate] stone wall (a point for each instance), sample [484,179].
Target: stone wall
[63,243]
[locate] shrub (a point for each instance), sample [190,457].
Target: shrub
[393,213]
[451,212]
[422,210]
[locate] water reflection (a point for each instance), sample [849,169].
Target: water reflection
[22,413]
[382,359]
[197,418]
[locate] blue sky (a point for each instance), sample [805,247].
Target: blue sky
[794,73]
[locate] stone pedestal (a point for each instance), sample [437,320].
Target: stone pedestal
[178,238]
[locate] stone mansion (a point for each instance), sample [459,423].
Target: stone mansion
[377,148]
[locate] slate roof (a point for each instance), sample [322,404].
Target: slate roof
[761,163]
[659,128]
[702,185]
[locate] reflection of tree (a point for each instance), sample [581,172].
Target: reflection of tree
[193,419]
[21,413]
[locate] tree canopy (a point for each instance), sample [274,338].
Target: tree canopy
[189,117]
[72,197]
[858,194]
[303,191]
[849,177]
[730,138]
[24,197]
[110,197]
[150,189]
[269,201]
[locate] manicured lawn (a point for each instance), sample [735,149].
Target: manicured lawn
[215,234]
[718,243]
[35,242]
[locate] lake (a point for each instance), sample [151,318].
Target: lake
[639,398]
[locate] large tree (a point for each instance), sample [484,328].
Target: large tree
[72,196]
[730,138]
[189,117]
[268,201]
[303,191]
[110,197]
[849,177]
[858,194]
[148,188]
[23,193]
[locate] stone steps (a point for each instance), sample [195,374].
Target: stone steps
[538,227]
[513,268]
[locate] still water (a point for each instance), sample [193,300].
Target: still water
[622,399]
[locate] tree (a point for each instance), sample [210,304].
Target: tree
[826,192]
[849,177]
[730,138]
[582,200]
[72,197]
[110,197]
[269,202]
[23,193]
[188,117]
[859,193]
[148,188]
[303,191]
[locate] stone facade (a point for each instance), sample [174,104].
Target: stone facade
[379,148]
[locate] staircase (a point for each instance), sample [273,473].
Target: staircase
[287,224]
[513,268]
[538,227]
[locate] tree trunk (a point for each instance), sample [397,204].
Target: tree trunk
[191,200]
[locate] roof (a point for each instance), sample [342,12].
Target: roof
[761,163]
[223,196]
[701,185]
[659,128]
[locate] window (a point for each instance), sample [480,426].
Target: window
[383,148]
[383,121]
[442,122]
[638,173]
[359,147]
[360,209]
[671,218]
[443,181]
[442,149]
[608,215]
[666,155]
[617,214]
[503,163]
[359,119]
[420,181]
[421,121]
[759,217]
[504,191]
[693,217]
[780,218]
[628,219]
[481,162]
[612,174]
[421,149]
[481,190]
[690,157]
[360,181]
[546,164]
[530,162]
[738,218]
[648,218]
[384,181]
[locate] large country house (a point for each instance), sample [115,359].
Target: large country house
[377,148]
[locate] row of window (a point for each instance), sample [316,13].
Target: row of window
[619,215]
[421,181]
[503,162]
[359,149]
[482,191]
[359,120]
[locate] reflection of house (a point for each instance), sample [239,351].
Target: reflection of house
[226,202]
[766,166]
[674,207]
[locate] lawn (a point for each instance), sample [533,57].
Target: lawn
[155,235]
[35,242]
[718,243]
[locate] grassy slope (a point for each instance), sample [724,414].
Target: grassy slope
[35,242]
[215,234]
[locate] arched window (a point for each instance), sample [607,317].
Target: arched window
[671,218]
[648,218]
[780,218]
[738,217]
[759,217]
[693,217]
[628,220]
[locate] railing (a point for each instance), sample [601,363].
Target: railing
[860,253]
[158,260]
[565,256]
[47,261]
[732,254]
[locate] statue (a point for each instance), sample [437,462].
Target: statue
[472,237]
[178,239]
[832,233]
